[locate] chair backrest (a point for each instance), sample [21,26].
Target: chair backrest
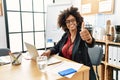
[96,55]
[4,51]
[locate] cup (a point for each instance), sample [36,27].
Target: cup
[42,63]
[16,58]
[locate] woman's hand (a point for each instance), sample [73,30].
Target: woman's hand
[85,35]
[46,53]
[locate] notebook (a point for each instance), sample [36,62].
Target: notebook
[34,54]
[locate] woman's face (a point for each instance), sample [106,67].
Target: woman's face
[71,23]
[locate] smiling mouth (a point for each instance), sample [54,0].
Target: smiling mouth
[72,25]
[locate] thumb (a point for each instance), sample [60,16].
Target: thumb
[82,26]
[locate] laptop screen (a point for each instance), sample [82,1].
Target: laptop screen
[32,50]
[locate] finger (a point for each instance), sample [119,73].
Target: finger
[82,26]
[43,54]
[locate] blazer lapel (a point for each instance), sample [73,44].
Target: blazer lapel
[76,45]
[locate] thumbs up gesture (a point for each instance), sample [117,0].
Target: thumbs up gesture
[85,35]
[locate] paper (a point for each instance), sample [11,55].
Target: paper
[4,60]
[53,60]
[63,66]
[86,8]
[105,6]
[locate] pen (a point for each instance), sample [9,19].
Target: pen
[12,55]
[16,58]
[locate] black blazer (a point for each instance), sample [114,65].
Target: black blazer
[79,52]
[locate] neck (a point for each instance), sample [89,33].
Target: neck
[73,35]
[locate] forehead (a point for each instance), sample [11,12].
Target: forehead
[70,17]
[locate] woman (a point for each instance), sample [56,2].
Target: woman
[75,41]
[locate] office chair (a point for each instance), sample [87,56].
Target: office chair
[4,51]
[96,55]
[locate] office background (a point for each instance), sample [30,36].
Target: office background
[96,20]
[89,19]
[25,24]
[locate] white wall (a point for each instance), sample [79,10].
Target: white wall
[116,16]
[75,3]
[2,32]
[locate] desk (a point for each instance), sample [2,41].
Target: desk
[28,71]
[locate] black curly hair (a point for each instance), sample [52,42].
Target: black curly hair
[65,14]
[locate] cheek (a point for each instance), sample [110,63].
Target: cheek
[67,26]
[75,23]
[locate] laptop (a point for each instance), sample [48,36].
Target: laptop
[32,50]
[34,54]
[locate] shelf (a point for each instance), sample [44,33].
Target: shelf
[100,41]
[108,68]
[103,62]
[111,65]
[108,42]
[113,43]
